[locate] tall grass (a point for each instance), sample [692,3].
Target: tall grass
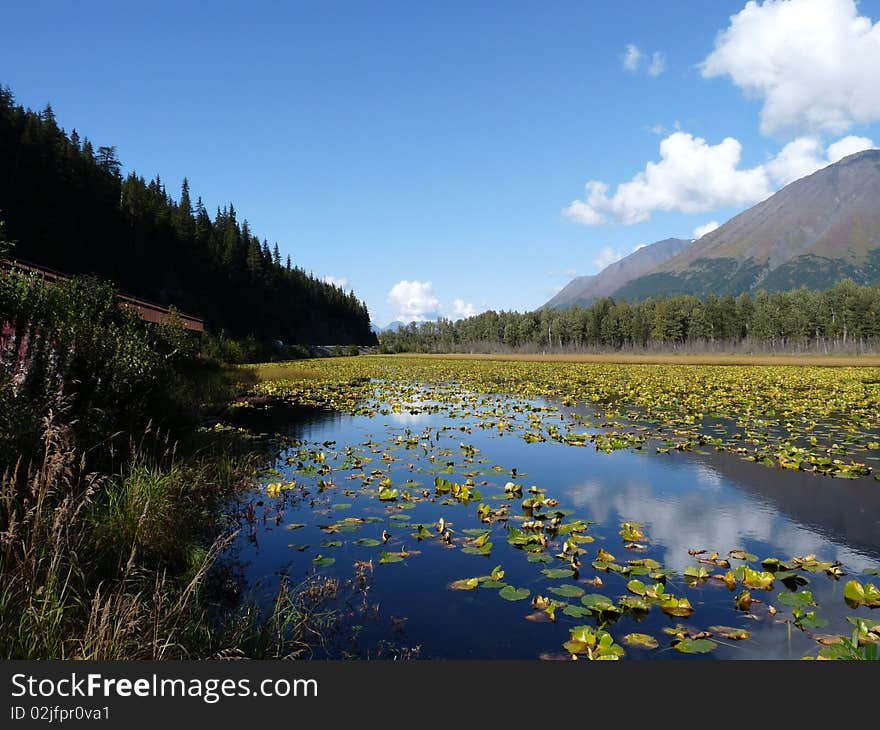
[119,566]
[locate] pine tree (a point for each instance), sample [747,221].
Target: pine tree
[108,161]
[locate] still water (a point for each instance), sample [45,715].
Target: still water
[700,500]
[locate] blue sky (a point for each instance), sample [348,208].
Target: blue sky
[397,145]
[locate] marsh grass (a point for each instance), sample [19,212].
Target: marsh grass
[96,566]
[281,371]
[662,358]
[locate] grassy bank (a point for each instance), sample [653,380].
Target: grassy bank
[127,565]
[111,534]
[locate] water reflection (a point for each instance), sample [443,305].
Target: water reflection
[715,501]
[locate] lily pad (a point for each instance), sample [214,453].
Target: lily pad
[509,593]
[642,641]
[539,558]
[857,594]
[558,572]
[567,591]
[673,606]
[465,584]
[367,542]
[599,604]
[695,646]
[576,611]
[729,632]
[389,557]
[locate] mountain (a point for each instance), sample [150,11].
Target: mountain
[585,289]
[813,232]
[392,326]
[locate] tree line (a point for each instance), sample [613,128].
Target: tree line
[67,206]
[845,317]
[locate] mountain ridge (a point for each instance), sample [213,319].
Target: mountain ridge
[813,232]
[583,290]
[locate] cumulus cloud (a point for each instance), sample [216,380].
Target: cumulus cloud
[341,282]
[463,309]
[811,62]
[632,57]
[702,230]
[801,157]
[848,146]
[413,301]
[805,155]
[693,176]
[658,64]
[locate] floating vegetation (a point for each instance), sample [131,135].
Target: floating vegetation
[430,486]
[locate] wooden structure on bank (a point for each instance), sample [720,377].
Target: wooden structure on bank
[148,311]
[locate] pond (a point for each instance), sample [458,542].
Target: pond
[693,554]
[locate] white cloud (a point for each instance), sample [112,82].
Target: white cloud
[702,230]
[658,64]
[632,58]
[805,155]
[587,212]
[413,301]
[848,146]
[801,157]
[693,176]
[462,309]
[607,256]
[341,282]
[812,63]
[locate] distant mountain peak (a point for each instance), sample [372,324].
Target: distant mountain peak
[813,232]
[585,289]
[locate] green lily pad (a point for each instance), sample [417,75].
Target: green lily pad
[857,594]
[598,603]
[673,606]
[367,542]
[388,557]
[803,598]
[637,587]
[558,572]
[567,591]
[695,646]
[634,603]
[576,611]
[322,562]
[539,558]
[509,593]
[482,550]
